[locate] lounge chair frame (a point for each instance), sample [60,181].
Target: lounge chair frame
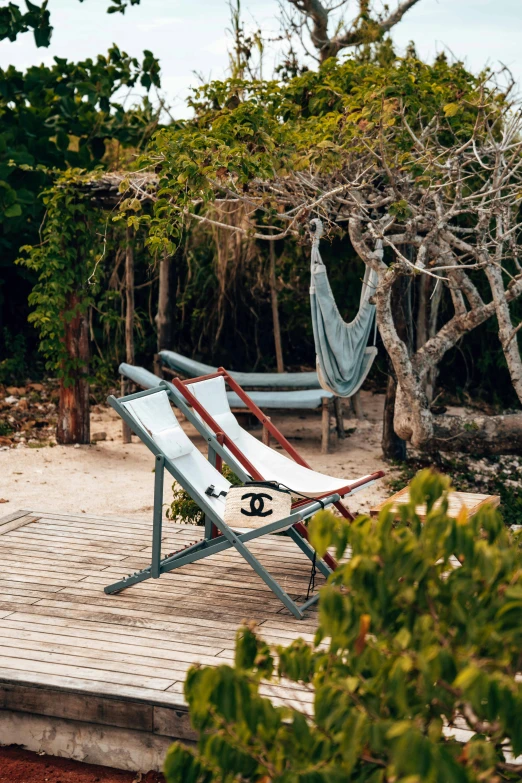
[218,535]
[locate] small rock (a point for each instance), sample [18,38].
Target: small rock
[4,500]
[76,445]
[11,400]
[97,436]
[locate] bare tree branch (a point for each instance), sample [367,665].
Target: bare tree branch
[365,27]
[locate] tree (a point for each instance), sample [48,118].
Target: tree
[56,117]
[14,21]
[427,159]
[419,631]
[366,27]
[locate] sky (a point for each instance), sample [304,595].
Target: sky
[190,36]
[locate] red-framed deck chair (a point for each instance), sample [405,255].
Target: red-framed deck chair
[204,402]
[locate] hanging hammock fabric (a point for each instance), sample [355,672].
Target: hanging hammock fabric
[343,358]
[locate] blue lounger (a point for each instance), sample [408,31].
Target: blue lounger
[301,399]
[298,400]
[266,380]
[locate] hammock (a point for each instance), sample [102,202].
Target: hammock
[343,356]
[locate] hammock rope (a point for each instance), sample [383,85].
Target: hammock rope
[343,355]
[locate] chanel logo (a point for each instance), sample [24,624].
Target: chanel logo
[257,504]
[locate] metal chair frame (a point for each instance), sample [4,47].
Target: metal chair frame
[218,536]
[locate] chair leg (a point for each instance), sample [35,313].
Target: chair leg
[266,434]
[356,405]
[126,432]
[211,531]
[309,551]
[325,426]
[339,423]
[157,518]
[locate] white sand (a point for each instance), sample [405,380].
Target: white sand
[111,478]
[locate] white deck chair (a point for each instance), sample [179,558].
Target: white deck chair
[150,415]
[211,414]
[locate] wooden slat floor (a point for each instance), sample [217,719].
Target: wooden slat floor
[117,663]
[59,630]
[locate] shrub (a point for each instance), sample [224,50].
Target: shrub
[421,628]
[184,509]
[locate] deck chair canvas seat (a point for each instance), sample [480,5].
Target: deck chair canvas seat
[272,465]
[204,402]
[267,400]
[150,416]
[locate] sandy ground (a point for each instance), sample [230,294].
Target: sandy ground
[110,478]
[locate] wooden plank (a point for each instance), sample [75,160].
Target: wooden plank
[109,538]
[230,604]
[12,575]
[43,662]
[142,618]
[131,620]
[27,588]
[157,643]
[102,519]
[15,524]
[6,599]
[17,548]
[77,684]
[52,556]
[162,636]
[142,655]
[71,544]
[42,565]
[173,723]
[12,516]
[167,585]
[77,706]
[234,610]
[139,666]
[473,501]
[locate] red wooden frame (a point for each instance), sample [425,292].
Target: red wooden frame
[223,438]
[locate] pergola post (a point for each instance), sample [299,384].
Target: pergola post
[275,310]
[73,407]
[129,318]
[164,315]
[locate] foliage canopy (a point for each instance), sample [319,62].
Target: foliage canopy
[66,115]
[245,133]
[14,20]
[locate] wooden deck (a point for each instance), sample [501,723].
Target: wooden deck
[95,676]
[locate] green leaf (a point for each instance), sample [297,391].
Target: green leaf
[451,109]
[15,210]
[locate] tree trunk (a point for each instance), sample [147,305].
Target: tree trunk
[505,327]
[432,374]
[73,407]
[129,297]
[164,315]
[422,311]
[275,311]
[477,434]
[129,319]
[393,447]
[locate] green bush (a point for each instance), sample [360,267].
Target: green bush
[421,628]
[184,509]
